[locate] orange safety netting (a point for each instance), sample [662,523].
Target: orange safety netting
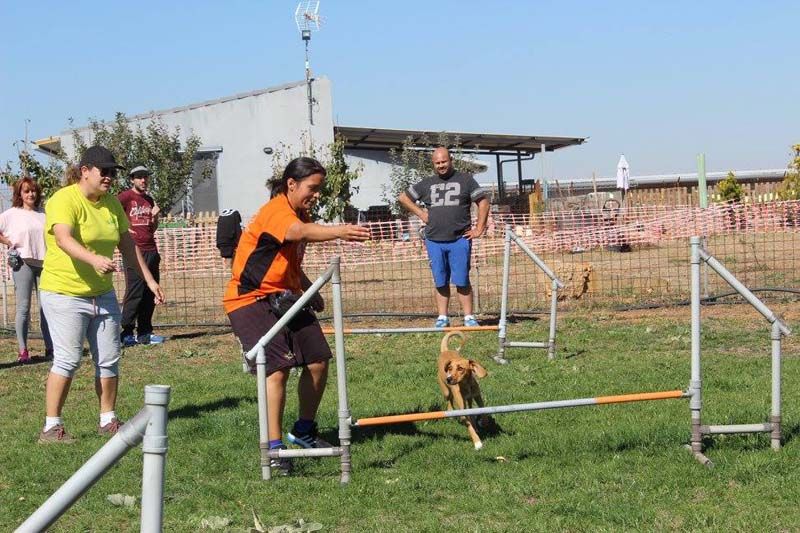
[193,249]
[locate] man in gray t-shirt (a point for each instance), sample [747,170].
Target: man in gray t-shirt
[448,196]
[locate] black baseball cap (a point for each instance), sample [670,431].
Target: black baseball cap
[100,157]
[139,171]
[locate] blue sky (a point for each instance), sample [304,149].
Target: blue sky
[659,81]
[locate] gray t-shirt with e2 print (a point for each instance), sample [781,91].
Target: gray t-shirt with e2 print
[448,200]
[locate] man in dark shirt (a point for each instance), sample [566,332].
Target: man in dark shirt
[448,196]
[138,305]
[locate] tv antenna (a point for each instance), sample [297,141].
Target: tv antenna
[307,18]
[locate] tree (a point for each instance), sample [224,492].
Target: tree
[412,162]
[790,186]
[729,189]
[337,192]
[49,176]
[153,145]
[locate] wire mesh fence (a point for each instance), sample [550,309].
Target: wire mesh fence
[606,257]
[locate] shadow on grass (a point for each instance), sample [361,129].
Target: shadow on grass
[790,433]
[571,354]
[32,361]
[222,330]
[194,411]
[510,319]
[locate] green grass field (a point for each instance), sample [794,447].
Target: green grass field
[601,468]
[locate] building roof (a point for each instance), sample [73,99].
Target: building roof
[52,145]
[359,138]
[688,179]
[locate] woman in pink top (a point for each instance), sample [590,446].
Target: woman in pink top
[22,230]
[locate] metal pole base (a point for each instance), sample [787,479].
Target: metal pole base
[500,360]
[700,457]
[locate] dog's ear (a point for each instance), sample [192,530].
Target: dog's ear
[477,369]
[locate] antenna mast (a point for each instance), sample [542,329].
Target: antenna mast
[307,18]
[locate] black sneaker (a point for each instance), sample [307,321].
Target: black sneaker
[281,466]
[307,440]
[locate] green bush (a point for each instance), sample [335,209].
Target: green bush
[729,189]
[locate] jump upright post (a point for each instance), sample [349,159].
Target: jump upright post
[778,330]
[556,285]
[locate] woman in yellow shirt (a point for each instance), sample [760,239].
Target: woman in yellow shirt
[84,224]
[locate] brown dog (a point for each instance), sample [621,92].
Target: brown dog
[457,379]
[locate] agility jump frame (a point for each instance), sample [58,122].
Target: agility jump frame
[693,392]
[556,285]
[502,327]
[148,426]
[778,330]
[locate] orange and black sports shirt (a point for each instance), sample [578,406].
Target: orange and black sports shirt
[265,262]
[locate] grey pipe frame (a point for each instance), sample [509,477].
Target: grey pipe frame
[148,426]
[556,285]
[777,331]
[693,393]
[257,353]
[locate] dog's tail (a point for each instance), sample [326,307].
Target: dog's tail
[446,341]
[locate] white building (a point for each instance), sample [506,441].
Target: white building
[241,134]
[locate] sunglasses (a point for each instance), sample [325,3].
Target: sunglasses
[108,173]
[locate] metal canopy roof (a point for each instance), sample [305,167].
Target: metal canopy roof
[479,143]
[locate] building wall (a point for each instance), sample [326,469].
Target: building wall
[376,170]
[242,126]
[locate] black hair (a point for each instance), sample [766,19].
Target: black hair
[298,169]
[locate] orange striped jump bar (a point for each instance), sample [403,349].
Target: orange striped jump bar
[600,400]
[353,331]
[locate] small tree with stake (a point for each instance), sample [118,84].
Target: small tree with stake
[412,162]
[790,186]
[729,190]
[337,192]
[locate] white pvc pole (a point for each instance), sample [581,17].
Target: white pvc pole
[775,411]
[154,447]
[536,259]
[501,336]
[345,435]
[551,341]
[263,410]
[695,384]
[739,287]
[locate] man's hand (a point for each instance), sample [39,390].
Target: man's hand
[157,292]
[474,233]
[155,210]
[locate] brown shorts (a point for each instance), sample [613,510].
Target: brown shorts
[300,343]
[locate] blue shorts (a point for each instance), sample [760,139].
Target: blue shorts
[450,261]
